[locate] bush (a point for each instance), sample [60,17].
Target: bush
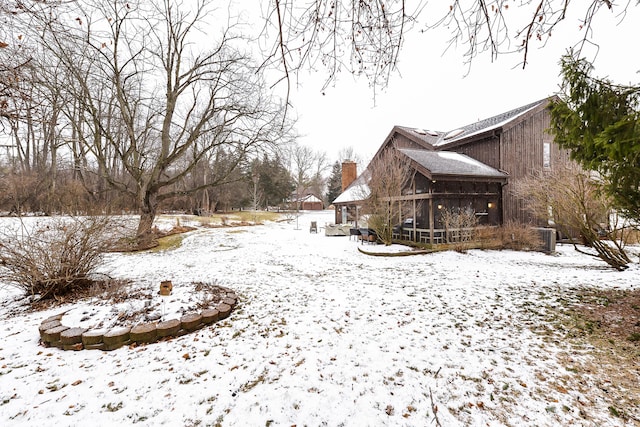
[460,226]
[55,256]
[519,237]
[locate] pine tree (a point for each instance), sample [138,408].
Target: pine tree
[275,183]
[599,122]
[334,185]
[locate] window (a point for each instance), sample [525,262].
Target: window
[546,155]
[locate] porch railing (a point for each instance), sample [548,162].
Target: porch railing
[440,235]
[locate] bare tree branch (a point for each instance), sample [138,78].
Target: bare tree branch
[313,34]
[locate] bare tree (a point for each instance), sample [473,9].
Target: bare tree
[389,174]
[349,153]
[256,193]
[307,167]
[153,102]
[572,200]
[366,38]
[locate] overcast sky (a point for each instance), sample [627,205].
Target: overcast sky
[431,90]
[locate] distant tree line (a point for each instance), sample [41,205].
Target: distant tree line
[113,106]
[264,182]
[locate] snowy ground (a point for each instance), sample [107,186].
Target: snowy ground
[325,335]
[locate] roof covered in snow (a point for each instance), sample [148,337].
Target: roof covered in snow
[310,198]
[357,191]
[450,163]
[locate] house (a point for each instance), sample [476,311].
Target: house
[474,166]
[309,202]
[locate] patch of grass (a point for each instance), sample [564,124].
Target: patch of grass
[207,400]
[613,411]
[169,242]
[52,386]
[601,322]
[251,384]
[236,231]
[110,407]
[257,216]
[8,399]
[230,218]
[634,337]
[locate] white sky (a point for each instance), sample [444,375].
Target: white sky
[432,91]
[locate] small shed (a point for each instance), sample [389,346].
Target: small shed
[310,203]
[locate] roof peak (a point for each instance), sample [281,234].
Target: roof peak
[439,138]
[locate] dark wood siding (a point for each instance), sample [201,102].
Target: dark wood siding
[522,155]
[486,151]
[402,141]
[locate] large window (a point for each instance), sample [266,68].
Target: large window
[546,155]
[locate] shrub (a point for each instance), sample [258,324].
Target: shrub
[460,226]
[489,237]
[514,236]
[54,256]
[520,237]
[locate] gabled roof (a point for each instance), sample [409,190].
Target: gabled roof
[448,163]
[439,139]
[309,198]
[492,123]
[357,191]
[425,137]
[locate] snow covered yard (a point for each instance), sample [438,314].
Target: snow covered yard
[325,335]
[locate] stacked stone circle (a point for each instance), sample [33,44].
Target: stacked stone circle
[54,334]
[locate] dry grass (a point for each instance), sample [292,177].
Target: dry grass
[227,219]
[614,313]
[509,236]
[256,216]
[608,320]
[169,242]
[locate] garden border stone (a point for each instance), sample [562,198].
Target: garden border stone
[53,333]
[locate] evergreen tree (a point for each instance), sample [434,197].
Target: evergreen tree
[274,181]
[599,122]
[334,185]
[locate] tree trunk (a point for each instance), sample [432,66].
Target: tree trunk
[148,207]
[616,257]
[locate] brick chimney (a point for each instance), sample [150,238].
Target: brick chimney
[349,173]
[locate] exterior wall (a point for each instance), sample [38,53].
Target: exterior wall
[486,151]
[517,148]
[311,206]
[519,151]
[401,141]
[522,155]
